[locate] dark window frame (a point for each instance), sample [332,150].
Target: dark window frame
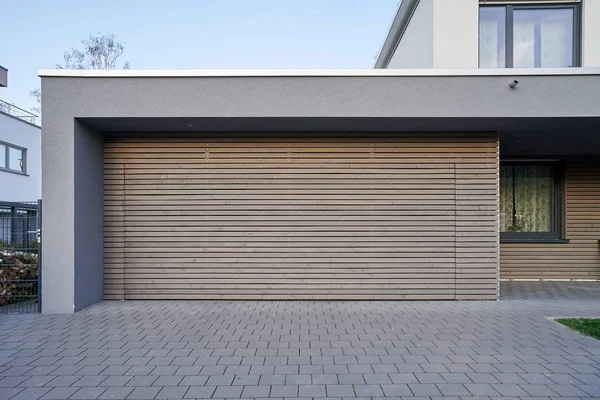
[558,232]
[6,166]
[509,28]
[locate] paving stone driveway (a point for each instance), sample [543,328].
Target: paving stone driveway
[335,350]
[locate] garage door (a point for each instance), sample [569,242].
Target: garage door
[193,218]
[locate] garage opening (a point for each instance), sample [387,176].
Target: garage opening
[197,218]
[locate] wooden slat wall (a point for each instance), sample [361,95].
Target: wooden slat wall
[580,258]
[411,218]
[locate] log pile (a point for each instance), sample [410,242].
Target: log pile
[18,277]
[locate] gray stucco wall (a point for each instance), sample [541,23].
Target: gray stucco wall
[58,237]
[369,96]
[72,154]
[89,203]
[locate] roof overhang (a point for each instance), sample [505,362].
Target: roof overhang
[3,76]
[549,111]
[290,73]
[399,24]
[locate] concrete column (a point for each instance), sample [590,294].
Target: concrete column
[591,34]
[72,257]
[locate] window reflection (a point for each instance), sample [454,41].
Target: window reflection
[543,38]
[492,37]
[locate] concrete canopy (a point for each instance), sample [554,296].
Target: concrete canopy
[550,112]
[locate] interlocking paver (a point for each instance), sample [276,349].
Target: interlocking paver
[172,392]
[310,350]
[424,389]
[340,391]
[116,393]
[256,391]
[396,390]
[60,393]
[88,393]
[200,392]
[31,393]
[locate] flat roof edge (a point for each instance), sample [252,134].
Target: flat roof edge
[314,72]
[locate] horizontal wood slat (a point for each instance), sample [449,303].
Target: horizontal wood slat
[194,218]
[578,259]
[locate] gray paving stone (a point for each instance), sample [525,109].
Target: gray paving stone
[228,391]
[509,389]
[396,390]
[256,391]
[312,391]
[200,392]
[88,393]
[452,389]
[298,380]
[143,393]
[172,392]
[246,380]
[12,381]
[481,389]
[340,391]
[309,350]
[424,389]
[8,393]
[324,380]
[36,381]
[60,393]
[116,393]
[567,390]
[62,380]
[426,377]
[349,379]
[31,393]
[377,378]
[368,390]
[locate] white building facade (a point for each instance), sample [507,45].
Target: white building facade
[457,34]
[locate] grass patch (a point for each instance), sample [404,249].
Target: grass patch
[586,326]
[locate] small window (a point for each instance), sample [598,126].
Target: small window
[529,36]
[12,158]
[530,201]
[16,158]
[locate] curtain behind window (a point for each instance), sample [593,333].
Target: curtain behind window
[526,198]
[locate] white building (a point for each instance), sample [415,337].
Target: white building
[20,153]
[470,34]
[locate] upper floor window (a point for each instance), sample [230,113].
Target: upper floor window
[529,36]
[12,158]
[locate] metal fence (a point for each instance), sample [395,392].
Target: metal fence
[20,270]
[18,112]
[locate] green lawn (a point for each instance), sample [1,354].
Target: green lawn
[587,326]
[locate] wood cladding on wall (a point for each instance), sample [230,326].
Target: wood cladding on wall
[578,259]
[194,218]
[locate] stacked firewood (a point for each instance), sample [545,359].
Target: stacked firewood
[18,276]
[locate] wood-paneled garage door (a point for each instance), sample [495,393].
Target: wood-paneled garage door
[193,218]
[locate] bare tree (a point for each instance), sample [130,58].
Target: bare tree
[37,95]
[100,51]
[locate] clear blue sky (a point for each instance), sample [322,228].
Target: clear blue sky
[193,34]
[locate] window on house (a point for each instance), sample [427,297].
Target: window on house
[2,156]
[12,158]
[529,36]
[530,201]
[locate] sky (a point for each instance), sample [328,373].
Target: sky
[192,34]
